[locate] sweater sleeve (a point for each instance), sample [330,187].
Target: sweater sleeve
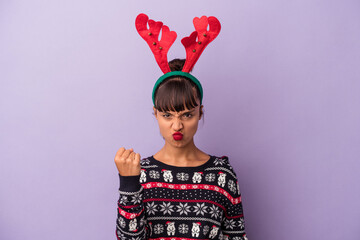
[131,221]
[233,224]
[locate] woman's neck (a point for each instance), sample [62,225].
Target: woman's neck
[189,155]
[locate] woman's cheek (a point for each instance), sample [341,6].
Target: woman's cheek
[194,127]
[164,128]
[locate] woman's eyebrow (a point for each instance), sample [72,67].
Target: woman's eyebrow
[190,111]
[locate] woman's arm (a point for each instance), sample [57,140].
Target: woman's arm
[233,225]
[131,221]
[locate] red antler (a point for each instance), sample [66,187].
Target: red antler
[193,48]
[151,36]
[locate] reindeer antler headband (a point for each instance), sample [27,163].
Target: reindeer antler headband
[194,45]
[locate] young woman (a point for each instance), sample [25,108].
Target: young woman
[180,192]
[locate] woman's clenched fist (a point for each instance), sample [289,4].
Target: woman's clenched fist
[127,162]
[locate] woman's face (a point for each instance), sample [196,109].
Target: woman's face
[185,123]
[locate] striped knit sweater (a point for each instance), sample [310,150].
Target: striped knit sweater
[168,203]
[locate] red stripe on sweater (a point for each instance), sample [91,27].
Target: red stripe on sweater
[128,215]
[131,206]
[192,186]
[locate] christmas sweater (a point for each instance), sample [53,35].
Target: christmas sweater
[168,203]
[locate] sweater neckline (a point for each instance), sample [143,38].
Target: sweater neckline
[167,166]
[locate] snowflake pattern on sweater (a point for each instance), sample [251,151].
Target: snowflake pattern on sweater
[168,203]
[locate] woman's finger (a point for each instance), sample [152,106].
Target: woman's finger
[132,156]
[119,153]
[137,158]
[126,154]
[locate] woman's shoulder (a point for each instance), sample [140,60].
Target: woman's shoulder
[222,163]
[145,161]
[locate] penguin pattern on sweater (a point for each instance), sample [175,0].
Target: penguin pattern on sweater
[181,203]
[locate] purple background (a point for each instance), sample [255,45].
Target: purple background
[281,82]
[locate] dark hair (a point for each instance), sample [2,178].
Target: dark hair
[176,93]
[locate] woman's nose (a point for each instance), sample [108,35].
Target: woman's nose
[177,124]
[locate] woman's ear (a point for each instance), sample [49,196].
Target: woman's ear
[155,112]
[201,111]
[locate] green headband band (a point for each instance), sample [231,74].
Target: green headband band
[177,73]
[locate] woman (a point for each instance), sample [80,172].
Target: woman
[180,192]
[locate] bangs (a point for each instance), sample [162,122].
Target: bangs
[176,94]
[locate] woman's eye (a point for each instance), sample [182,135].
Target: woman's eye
[166,115]
[188,115]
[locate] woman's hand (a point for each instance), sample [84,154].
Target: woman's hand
[127,162]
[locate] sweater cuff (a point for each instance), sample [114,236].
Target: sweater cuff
[129,183]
